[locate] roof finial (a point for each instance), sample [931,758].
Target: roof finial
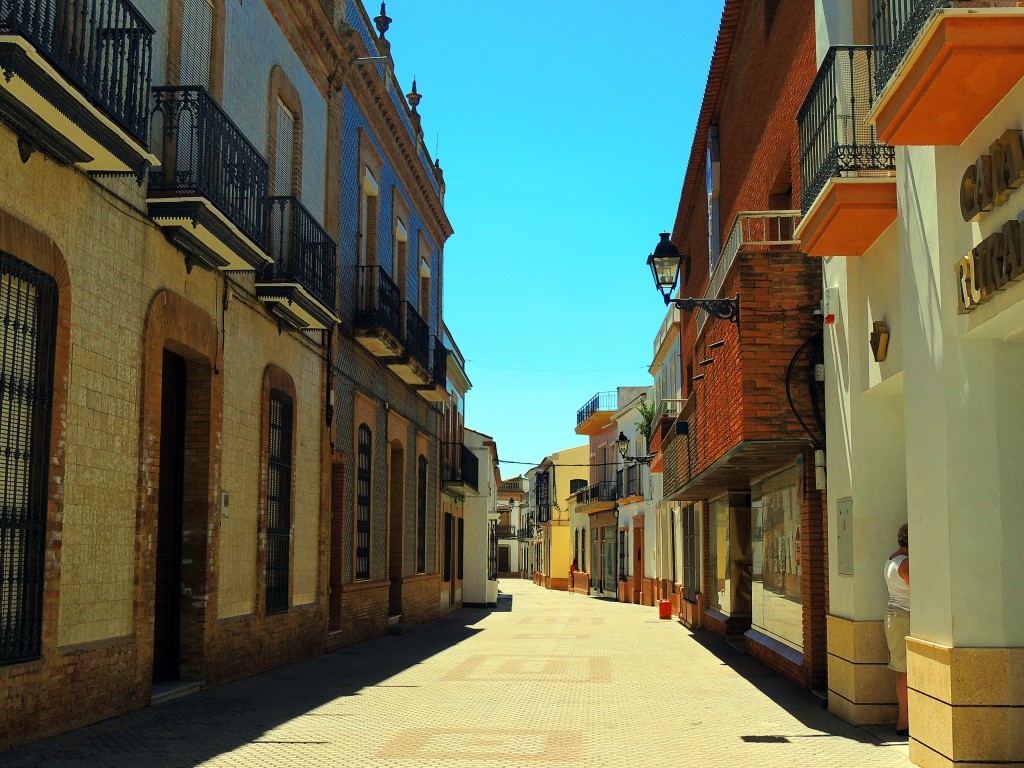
[382,22]
[414,97]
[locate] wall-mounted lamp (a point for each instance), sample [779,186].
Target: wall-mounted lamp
[880,341]
[623,445]
[665,263]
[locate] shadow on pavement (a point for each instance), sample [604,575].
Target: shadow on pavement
[189,731]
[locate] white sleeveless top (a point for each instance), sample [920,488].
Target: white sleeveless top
[899,590]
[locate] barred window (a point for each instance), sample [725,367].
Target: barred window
[28,317]
[691,554]
[421,515]
[279,501]
[364,479]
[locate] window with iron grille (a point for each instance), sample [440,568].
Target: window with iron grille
[543,498]
[691,554]
[421,516]
[448,528]
[279,501]
[492,551]
[462,539]
[364,478]
[28,317]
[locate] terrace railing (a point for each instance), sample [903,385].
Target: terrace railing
[378,301]
[302,250]
[895,24]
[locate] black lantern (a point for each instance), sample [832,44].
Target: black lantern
[665,263]
[623,445]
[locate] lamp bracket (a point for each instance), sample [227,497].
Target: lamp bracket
[723,309]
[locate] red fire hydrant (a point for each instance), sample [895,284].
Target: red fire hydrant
[664,609]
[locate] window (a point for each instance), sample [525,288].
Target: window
[575,486]
[424,304]
[462,538]
[279,501]
[364,478]
[197,42]
[369,214]
[691,554]
[28,300]
[284,136]
[448,531]
[421,515]
[284,169]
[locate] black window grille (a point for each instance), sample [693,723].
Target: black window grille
[492,551]
[543,498]
[622,555]
[364,478]
[421,516]
[462,540]
[448,527]
[279,501]
[28,318]
[691,554]
[582,563]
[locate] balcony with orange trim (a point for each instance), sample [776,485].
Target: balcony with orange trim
[943,66]
[848,176]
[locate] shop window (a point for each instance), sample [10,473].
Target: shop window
[279,500]
[364,480]
[28,309]
[777,588]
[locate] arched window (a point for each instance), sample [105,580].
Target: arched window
[279,500]
[364,483]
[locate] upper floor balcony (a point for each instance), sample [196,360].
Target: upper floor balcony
[299,287]
[597,497]
[377,319]
[507,531]
[75,82]
[412,365]
[461,470]
[209,194]
[436,390]
[596,413]
[847,176]
[942,66]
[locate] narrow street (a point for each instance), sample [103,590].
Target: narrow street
[549,678]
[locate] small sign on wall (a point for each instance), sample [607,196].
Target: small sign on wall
[844,536]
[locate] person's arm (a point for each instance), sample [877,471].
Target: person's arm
[904,570]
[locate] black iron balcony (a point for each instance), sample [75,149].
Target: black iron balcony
[895,25]
[377,317]
[596,413]
[300,285]
[210,193]
[462,474]
[437,390]
[525,532]
[836,139]
[100,48]
[597,496]
[417,336]
[506,532]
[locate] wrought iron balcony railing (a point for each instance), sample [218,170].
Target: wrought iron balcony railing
[466,467]
[378,302]
[506,531]
[105,47]
[835,137]
[302,250]
[602,401]
[603,490]
[895,25]
[206,155]
[438,362]
[417,336]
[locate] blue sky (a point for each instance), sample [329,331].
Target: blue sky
[563,130]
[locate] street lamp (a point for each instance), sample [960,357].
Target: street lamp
[665,263]
[623,445]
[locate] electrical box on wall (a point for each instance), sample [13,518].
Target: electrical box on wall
[829,305]
[225,500]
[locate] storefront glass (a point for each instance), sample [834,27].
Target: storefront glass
[720,592]
[775,527]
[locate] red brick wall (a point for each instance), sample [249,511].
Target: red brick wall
[420,597]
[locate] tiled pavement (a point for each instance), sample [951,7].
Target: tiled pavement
[557,680]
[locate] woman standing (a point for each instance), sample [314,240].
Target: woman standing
[897,621]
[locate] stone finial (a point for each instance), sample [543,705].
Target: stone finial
[414,97]
[382,22]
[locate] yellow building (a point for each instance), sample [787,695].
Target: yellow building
[556,479]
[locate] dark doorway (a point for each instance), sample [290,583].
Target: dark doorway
[167,618]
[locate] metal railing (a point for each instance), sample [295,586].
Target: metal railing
[466,470]
[378,301]
[668,408]
[895,25]
[417,335]
[602,401]
[105,47]
[302,250]
[835,137]
[206,155]
[603,490]
[752,229]
[438,363]
[506,531]
[670,321]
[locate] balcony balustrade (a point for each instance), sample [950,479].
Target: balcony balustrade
[210,193]
[847,175]
[461,473]
[377,318]
[596,413]
[437,390]
[934,53]
[76,81]
[299,287]
[507,532]
[413,365]
[597,497]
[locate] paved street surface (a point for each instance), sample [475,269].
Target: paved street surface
[547,680]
